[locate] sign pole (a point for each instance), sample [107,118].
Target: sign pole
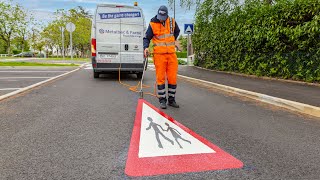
[71,45]
[188,49]
[71,27]
[62,36]
[188,29]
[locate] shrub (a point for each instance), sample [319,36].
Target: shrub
[279,40]
[181,54]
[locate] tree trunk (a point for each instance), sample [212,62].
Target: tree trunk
[8,48]
[82,52]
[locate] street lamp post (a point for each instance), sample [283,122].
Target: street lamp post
[174,9]
[62,38]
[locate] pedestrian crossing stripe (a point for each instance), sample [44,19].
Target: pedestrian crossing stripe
[88,66]
[161,145]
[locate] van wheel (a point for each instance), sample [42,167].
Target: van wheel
[96,75]
[139,75]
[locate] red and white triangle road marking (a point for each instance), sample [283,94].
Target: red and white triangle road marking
[161,145]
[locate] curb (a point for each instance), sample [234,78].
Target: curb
[287,104]
[6,96]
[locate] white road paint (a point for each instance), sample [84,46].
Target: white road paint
[36,84]
[88,66]
[149,146]
[25,77]
[9,89]
[32,71]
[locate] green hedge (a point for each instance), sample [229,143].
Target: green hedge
[182,62]
[16,51]
[181,54]
[279,40]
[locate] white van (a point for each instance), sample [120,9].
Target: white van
[117,39]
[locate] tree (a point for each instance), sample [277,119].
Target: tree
[11,17]
[82,21]
[183,42]
[3,47]
[186,3]
[81,36]
[268,2]
[52,35]
[19,44]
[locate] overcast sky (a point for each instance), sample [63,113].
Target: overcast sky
[43,9]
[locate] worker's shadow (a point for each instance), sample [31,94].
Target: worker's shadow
[175,133]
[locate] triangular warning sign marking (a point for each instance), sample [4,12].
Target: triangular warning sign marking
[171,138]
[188,29]
[161,145]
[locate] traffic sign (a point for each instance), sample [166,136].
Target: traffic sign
[70,27]
[188,28]
[161,145]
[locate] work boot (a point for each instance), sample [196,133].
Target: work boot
[163,105]
[173,104]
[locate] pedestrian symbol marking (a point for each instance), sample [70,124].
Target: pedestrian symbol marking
[157,132]
[176,135]
[188,28]
[163,139]
[161,145]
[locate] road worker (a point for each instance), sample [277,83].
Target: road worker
[163,31]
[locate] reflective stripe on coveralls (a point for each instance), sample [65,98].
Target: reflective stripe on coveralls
[171,92]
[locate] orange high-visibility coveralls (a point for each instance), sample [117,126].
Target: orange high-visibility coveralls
[165,58]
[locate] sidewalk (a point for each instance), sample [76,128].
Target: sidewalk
[298,92]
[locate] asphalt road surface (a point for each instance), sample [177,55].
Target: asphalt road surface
[78,127]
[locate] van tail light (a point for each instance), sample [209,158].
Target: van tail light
[93,47]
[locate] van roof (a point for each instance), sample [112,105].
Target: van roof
[115,5]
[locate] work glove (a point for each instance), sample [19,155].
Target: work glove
[146,52]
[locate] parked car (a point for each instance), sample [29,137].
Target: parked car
[40,55]
[24,54]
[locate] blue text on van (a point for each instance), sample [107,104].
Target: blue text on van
[119,15]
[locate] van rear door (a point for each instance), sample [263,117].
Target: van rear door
[132,26]
[107,34]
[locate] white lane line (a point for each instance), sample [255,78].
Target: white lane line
[36,85]
[30,71]
[9,89]
[88,66]
[25,77]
